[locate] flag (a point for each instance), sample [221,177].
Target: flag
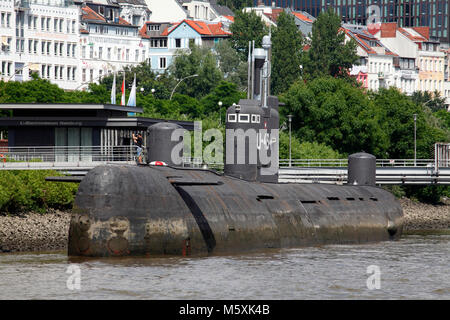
[122,102]
[113,91]
[132,97]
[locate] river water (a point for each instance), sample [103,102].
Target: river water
[414,267]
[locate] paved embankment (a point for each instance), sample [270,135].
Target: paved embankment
[34,232]
[421,216]
[47,232]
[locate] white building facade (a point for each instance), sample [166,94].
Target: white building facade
[166,10]
[42,37]
[107,46]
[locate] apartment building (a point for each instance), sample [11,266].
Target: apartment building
[416,43]
[42,37]
[434,14]
[376,69]
[206,10]
[166,39]
[108,43]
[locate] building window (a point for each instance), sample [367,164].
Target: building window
[177,43]
[162,63]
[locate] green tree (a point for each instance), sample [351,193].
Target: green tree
[333,112]
[286,53]
[226,93]
[396,112]
[434,101]
[33,91]
[444,117]
[236,4]
[329,54]
[247,26]
[306,149]
[233,68]
[200,61]
[145,78]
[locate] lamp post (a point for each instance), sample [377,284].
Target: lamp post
[191,76]
[220,112]
[415,119]
[290,145]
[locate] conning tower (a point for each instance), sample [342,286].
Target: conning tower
[252,126]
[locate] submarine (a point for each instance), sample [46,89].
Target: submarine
[164,208]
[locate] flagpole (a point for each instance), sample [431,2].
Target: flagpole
[122,102]
[113,90]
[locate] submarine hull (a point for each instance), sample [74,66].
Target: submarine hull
[137,210]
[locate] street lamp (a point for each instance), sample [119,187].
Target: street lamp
[220,112]
[191,76]
[415,119]
[290,144]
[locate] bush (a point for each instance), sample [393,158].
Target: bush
[28,191]
[428,194]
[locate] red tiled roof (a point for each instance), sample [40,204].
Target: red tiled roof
[124,22]
[410,36]
[361,41]
[201,27]
[388,30]
[231,18]
[216,29]
[302,16]
[274,15]
[89,14]
[143,31]
[423,31]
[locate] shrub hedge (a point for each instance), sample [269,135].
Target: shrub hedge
[27,190]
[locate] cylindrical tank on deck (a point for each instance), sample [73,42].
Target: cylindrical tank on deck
[361,169]
[160,144]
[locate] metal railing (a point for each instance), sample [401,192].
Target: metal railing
[128,153]
[68,154]
[379,163]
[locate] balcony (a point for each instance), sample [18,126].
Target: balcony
[408,74]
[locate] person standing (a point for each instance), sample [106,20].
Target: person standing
[137,138]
